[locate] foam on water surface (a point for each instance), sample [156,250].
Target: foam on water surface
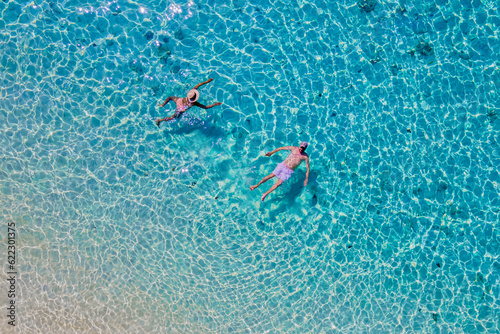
[124,227]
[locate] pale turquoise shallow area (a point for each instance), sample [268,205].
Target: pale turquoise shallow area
[127,228]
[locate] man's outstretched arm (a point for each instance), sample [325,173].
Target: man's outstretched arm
[206,107]
[307,173]
[268,154]
[203,83]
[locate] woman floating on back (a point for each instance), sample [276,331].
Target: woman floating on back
[185,103]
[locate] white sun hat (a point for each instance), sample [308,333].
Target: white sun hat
[193,95]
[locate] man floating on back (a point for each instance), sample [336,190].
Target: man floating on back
[285,169]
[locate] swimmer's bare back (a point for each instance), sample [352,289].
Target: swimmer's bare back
[184,103]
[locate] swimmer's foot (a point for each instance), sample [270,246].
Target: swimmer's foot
[263,197]
[253,187]
[158,122]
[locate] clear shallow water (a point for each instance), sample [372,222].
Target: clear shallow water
[127,228]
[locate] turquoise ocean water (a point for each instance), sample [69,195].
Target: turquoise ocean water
[127,228]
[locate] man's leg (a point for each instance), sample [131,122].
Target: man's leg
[273,188]
[265,179]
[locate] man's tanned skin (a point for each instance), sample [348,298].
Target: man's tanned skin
[185,103]
[294,159]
